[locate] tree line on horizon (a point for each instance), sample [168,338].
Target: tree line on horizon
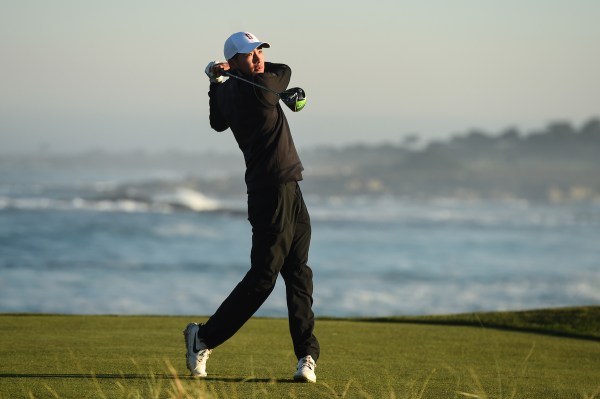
[560,163]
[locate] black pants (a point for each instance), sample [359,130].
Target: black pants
[280,242]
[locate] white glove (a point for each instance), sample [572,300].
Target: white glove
[212,76]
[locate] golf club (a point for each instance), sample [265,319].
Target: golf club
[294,98]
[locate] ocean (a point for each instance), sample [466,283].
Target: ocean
[101,241]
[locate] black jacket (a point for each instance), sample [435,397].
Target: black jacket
[259,126]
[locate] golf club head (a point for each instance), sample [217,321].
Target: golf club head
[294,98]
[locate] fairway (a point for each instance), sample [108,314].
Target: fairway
[143,357]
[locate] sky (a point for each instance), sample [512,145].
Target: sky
[129,75]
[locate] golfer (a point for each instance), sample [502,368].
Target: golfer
[280,222]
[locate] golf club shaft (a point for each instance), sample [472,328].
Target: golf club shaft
[231,75]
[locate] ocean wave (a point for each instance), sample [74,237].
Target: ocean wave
[163,195]
[453,212]
[188,199]
[182,199]
[88,291]
[172,195]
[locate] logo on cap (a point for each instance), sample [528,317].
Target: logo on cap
[249,36]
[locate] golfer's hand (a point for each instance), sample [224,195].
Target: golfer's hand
[220,67]
[213,71]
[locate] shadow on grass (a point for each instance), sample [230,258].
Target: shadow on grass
[479,324]
[145,377]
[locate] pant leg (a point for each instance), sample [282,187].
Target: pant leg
[270,214]
[298,279]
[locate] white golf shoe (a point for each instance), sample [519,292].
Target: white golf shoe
[197,351]
[306,370]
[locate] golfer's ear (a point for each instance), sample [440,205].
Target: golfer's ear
[233,62]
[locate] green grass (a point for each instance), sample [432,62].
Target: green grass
[52,356]
[579,322]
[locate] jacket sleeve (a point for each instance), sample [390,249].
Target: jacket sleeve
[276,77]
[217,121]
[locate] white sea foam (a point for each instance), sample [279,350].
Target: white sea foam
[181,198]
[120,205]
[377,298]
[483,213]
[188,198]
[161,292]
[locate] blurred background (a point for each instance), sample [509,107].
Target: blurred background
[450,153]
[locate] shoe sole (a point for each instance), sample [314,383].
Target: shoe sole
[302,379]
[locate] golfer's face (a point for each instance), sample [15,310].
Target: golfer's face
[252,63]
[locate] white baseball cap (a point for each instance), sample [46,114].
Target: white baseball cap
[242,42]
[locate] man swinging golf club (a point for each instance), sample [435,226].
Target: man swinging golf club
[248,104]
